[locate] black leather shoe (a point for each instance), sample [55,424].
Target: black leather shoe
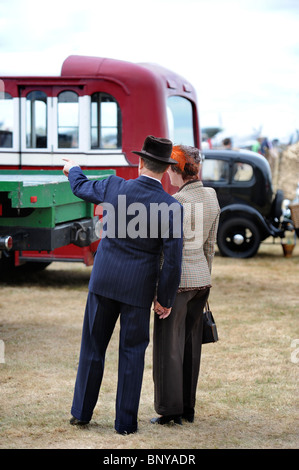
[125,433]
[188,414]
[188,417]
[167,419]
[77,422]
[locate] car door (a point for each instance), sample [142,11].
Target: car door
[215,173]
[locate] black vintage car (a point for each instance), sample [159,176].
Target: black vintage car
[250,212]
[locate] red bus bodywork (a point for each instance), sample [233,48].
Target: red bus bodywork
[141,91]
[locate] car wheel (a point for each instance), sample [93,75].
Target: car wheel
[238,238]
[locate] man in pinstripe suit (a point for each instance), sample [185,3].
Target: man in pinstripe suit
[126,277]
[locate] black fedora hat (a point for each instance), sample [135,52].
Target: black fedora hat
[158,149]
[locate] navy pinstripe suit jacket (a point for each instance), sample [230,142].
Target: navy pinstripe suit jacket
[128,269]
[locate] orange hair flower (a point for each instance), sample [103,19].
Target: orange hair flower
[188,159]
[179,156]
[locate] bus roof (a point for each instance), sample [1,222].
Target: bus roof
[86,66]
[128,75]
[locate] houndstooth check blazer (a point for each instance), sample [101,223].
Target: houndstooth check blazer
[197,259]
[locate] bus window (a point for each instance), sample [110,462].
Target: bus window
[36,120]
[180,120]
[68,120]
[105,122]
[6,120]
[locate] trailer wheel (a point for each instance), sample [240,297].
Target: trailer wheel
[8,268]
[35,266]
[6,263]
[238,238]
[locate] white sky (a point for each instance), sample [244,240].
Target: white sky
[241,56]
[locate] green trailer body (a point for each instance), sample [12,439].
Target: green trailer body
[40,212]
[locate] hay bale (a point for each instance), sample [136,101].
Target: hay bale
[288,170]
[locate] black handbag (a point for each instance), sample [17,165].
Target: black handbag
[209,332]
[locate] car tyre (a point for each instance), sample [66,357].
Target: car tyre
[238,238]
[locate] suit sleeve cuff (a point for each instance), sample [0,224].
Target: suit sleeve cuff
[74,166]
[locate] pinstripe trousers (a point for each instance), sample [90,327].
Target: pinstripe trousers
[177,353]
[100,318]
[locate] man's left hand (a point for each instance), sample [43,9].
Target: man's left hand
[163,312]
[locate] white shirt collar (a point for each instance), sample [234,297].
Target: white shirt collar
[156,179]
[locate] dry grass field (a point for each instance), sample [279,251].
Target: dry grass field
[247,394]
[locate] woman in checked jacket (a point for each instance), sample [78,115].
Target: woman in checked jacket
[177,339]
